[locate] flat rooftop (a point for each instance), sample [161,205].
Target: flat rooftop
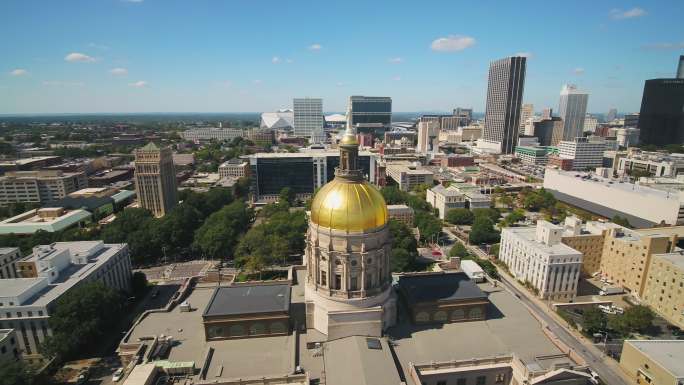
[302,154]
[667,353]
[237,358]
[509,328]
[439,287]
[236,300]
[676,258]
[528,235]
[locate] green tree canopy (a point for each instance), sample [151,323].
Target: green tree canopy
[460,216]
[82,318]
[594,320]
[483,231]
[458,250]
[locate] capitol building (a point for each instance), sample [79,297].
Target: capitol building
[348,276]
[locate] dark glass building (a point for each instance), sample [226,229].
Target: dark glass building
[661,119]
[371,110]
[302,172]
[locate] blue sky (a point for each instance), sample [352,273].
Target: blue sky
[232,55]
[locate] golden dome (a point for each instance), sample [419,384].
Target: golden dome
[349,140]
[349,205]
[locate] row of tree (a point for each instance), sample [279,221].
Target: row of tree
[635,319]
[425,220]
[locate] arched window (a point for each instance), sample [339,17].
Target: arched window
[475,313]
[237,331]
[422,316]
[215,331]
[440,315]
[338,262]
[278,327]
[457,315]
[257,328]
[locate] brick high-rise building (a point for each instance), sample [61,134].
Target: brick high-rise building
[155,179]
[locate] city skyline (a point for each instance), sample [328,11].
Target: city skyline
[202,57]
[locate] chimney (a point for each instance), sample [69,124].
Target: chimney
[680,67]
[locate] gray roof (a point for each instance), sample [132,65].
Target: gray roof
[667,353]
[439,287]
[249,299]
[350,360]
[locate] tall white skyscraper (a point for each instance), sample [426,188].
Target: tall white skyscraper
[504,97]
[308,118]
[573,109]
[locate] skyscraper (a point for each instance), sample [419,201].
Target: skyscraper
[504,97]
[308,118]
[155,179]
[680,67]
[573,109]
[465,116]
[661,119]
[371,112]
[526,112]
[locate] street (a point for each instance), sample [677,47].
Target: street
[607,369]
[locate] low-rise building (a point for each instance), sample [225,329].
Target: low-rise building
[242,311]
[445,199]
[664,290]
[409,176]
[39,186]
[628,254]
[50,272]
[642,206]
[537,156]
[442,298]
[653,361]
[234,168]
[588,239]
[656,164]
[401,213]
[586,153]
[8,259]
[536,255]
[202,134]
[50,219]
[9,347]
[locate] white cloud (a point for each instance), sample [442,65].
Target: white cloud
[315,47]
[289,61]
[19,72]
[395,60]
[118,71]
[60,83]
[664,46]
[79,57]
[452,43]
[528,55]
[396,78]
[275,60]
[257,81]
[578,71]
[138,84]
[619,14]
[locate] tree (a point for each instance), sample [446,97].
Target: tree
[16,372]
[513,217]
[458,250]
[494,250]
[492,214]
[287,195]
[138,283]
[82,318]
[460,216]
[483,231]
[402,241]
[393,195]
[218,235]
[622,221]
[430,227]
[593,320]
[638,318]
